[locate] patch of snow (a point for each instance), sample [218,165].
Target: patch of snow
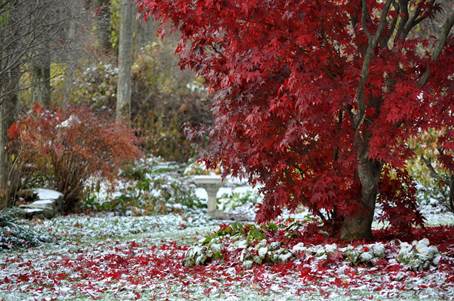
[47,194]
[43,203]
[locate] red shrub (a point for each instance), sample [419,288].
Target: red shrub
[70,146]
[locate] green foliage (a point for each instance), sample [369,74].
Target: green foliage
[250,232]
[225,230]
[96,87]
[255,234]
[147,187]
[229,202]
[272,227]
[426,169]
[15,234]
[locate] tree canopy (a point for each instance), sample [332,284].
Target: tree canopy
[314,98]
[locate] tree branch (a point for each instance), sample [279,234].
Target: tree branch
[403,5]
[366,63]
[432,170]
[447,26]
[414,20]
[364,16]
[392,27]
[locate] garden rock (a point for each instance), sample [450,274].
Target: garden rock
[48,204]
[262,252]
[418,255]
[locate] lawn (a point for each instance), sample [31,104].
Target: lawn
[106,257]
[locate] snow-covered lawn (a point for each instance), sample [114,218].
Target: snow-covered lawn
[140,258]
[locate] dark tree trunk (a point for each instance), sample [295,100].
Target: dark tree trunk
[359,225]
[104,25]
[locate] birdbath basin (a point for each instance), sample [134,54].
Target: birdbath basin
[211,184]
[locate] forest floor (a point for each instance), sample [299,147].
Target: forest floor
[104,257]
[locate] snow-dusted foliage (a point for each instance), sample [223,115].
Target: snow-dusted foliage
[280,243]
[149,186]
[15,233]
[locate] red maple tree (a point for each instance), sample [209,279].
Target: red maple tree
[314,98]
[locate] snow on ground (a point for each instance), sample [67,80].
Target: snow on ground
[110,257]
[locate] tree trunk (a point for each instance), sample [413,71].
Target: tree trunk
[145,31]
[41,90]
[10,37]
[359,225]
[104,25]
[41,54]
[73,47]
[8,108]
[125,56]
[451,193]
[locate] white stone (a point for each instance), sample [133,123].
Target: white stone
[285,257]
[298,248]
[262,252]
[378,249]
[33,210]
[366,257]
[44,203]
[330,248]
[211,183]
[436,260]
[248,264]
[275,245]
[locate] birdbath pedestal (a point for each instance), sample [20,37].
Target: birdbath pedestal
[211,184]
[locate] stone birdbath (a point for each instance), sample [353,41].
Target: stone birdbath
[211,183]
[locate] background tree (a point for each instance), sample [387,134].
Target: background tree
[41,54]
[51,51]
[104,25]
[430,167]
[10,57]
[315,98]
[26,31]
[125,58]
